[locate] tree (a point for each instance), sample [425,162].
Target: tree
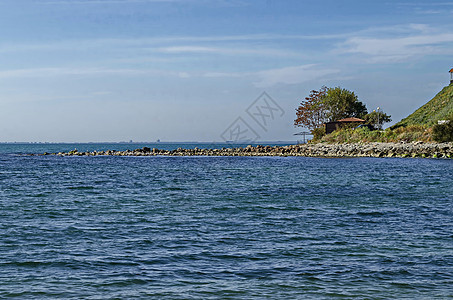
[328,104]
[377,118]
[342,103]
[312,111]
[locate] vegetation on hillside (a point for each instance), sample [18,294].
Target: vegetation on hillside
[364,135]
[329,104]
[444,132]
[438,108]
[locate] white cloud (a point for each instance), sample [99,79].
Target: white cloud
[52,72]
[226,74]
[183,75]
[147,42]
[424,4]
[85,2]
[286,75]
[430,12]
[225,51]
[102,93]
[420,40]
[291,75]
[187,49]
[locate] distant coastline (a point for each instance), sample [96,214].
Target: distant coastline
[401,149]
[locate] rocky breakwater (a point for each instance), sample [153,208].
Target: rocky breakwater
[402,149]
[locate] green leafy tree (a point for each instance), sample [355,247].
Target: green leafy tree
[377,118]
[342,103]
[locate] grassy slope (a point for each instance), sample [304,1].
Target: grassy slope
[411,133]
[438,108]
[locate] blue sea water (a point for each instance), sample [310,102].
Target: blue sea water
[223,227]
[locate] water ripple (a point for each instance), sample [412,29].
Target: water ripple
[209,228]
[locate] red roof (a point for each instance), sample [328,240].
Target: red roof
[451,71]
[351,120]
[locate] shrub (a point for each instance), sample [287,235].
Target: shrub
[318,133]
[443,132]
[412,133]
[408,134]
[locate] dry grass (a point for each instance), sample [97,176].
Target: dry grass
[411,133]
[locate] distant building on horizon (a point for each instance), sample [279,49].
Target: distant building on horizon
[451,76]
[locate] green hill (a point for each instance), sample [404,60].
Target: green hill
[438,108]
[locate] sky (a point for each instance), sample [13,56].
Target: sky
[209,70]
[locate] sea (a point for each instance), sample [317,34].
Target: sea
[160,227]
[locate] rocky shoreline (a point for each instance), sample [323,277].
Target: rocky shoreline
[402,149]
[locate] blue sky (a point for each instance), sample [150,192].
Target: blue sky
[185,70]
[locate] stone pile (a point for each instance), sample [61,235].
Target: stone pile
[402,149]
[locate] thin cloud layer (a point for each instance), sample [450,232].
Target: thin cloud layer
[382,49]
[374,45]
[292,75]
[58,72]
[284,76]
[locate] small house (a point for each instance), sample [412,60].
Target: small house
[451,76]
[332,126]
